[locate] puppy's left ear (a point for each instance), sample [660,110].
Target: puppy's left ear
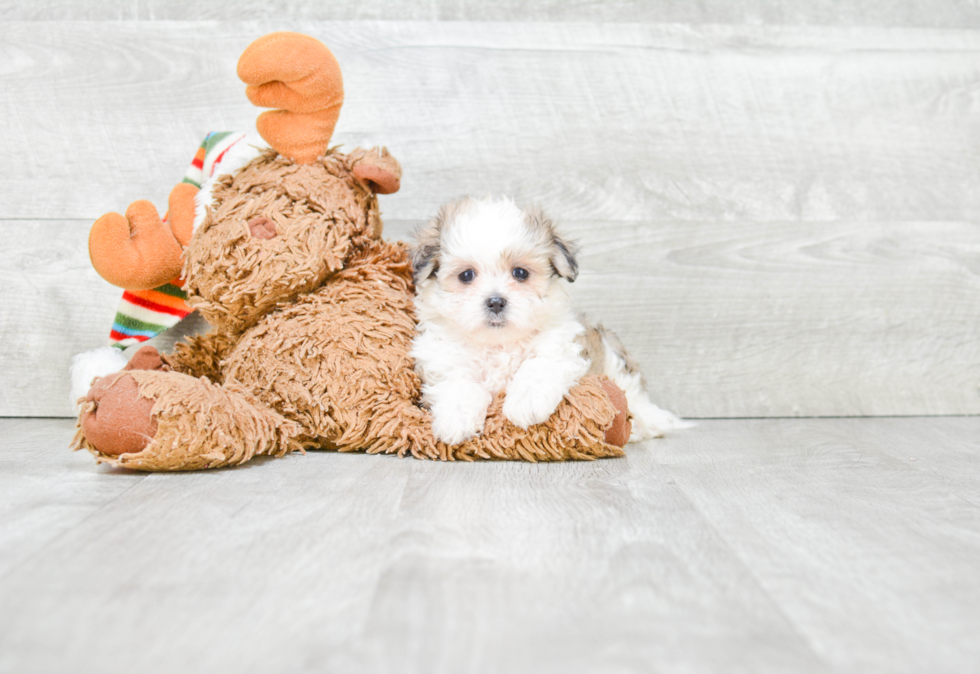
[563,258]
[378,169]
[563,251]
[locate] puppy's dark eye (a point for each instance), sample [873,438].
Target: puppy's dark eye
[520,273]
[467,276]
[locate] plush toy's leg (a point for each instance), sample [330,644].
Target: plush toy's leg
[590,423]
[161,421]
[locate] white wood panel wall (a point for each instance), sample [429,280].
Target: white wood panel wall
[875,13]
[778,204]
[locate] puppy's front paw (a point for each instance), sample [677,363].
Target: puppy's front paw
[459,416]
[526,405]
[453,429]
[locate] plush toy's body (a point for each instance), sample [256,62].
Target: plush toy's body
[311,310]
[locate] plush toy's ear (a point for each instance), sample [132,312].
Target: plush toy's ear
[378,169]
[563,252]
[298,75]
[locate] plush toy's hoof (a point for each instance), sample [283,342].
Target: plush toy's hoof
[147,358]
[618,434]
[119,421]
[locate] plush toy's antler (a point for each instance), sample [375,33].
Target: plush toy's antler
[141,251]
[298,75]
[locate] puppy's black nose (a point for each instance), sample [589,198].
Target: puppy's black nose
[496,304]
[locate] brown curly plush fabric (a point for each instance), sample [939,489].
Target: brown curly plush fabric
[319,212]
[199,425]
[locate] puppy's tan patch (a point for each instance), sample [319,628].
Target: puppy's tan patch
[593,342]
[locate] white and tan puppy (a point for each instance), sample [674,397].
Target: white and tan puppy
[494,315]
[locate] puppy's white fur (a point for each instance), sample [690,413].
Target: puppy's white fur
[486,328]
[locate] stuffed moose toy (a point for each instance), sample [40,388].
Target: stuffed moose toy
[311,310]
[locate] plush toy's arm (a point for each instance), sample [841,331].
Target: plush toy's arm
[200,355]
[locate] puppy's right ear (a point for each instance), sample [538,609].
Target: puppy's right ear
[425,251]
[428,239]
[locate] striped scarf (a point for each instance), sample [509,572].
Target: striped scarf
[143,314]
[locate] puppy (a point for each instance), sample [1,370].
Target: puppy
[494,315]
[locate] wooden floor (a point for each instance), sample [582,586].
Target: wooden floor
[803,545]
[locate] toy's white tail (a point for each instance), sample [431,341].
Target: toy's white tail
[88,365]
[649,420]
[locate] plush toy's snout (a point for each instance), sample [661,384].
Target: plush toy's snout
[262,228]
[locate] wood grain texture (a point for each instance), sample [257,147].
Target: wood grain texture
[779,220]
[613,122]
[806,502]
[741,546]
[792,319]
[781,320]
[46,491]
[55,306]
[877,13]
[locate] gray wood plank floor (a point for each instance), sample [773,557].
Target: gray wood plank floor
[804,545]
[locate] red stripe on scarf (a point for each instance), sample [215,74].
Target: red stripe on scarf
[153,306]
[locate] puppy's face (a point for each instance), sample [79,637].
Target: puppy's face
[491,270]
